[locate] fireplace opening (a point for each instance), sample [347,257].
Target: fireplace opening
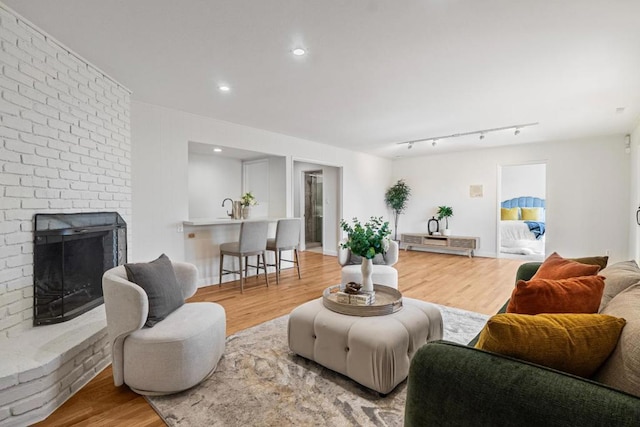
[71,253]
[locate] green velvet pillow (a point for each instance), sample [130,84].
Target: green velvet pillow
[600,261]
[159,282]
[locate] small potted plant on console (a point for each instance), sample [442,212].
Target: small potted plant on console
[445,212]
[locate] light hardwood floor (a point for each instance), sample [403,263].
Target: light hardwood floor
[475,284]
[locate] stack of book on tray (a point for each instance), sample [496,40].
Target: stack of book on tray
[356,299]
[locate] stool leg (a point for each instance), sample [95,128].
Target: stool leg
[257,267]
[242,276]
[295,254]
[221,261]
[264,262]
[278,258]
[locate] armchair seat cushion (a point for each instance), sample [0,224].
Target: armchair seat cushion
[382,275]
[178,352]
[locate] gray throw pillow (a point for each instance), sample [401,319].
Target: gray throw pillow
[158,280]
[617,278]
[357,259]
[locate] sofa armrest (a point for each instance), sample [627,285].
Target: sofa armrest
[452,384]
[127,306]
[391,256]
[527,270]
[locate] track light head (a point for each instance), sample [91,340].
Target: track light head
[434,143]
[517,132]
[627,144]
[481,136]
[410,146]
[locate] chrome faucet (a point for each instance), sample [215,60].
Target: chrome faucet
[223,202]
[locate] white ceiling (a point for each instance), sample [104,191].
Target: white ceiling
[377,72]
[228,152]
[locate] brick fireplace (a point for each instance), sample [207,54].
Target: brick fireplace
[65,147]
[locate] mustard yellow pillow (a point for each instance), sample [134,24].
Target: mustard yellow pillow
[573,343]
[509,214]
[531,214]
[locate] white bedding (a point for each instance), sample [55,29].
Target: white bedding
[515,238]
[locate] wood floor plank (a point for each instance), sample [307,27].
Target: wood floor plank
[475,284]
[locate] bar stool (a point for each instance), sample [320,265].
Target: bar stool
[287,238]
[253,241]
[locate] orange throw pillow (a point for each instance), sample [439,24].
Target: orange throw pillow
[555,267]
[573,295]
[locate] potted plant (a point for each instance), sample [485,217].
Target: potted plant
[396,198]
[366,241]
[247,200]
[445,212]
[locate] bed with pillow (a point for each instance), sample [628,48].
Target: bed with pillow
[522,226]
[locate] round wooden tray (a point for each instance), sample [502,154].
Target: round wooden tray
[388,300]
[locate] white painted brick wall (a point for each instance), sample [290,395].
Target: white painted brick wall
[64,147]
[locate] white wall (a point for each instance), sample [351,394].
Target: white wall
[634,199]
[211,180]
[588,192]
[160,172]
[523,180]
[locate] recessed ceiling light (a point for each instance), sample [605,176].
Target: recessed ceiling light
[224,88]
[298,51]
[217,150]
[619,110]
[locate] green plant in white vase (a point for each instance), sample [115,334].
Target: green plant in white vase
[366,241]
[445,212]
[247,200]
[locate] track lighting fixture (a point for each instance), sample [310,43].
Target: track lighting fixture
[627,144]
[410,146]
[482,134]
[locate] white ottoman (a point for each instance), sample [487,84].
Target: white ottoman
[373,351]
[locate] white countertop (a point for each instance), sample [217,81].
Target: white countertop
[224,221]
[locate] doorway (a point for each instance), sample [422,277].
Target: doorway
[313,209]
[317,201]
[522,211]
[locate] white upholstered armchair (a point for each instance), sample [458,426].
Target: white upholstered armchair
[383,271]
[174,354]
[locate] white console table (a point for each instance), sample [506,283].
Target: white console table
[429,241]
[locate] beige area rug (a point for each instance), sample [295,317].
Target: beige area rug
[260,382]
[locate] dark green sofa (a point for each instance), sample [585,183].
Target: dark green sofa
[455,385]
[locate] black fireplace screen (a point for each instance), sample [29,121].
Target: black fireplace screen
[71,253]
